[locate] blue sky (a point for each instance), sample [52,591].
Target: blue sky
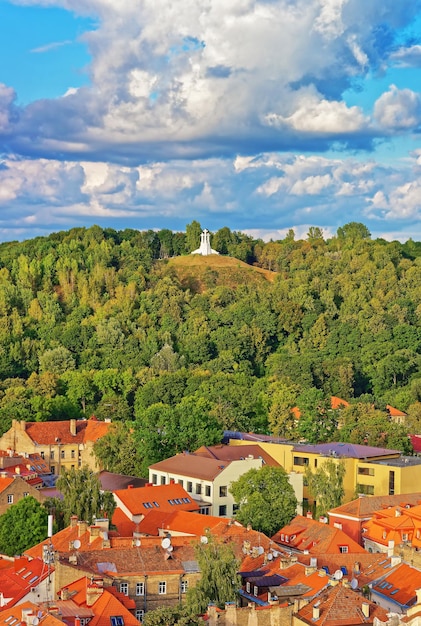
[260,115]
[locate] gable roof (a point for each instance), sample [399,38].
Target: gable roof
[107,604]
[19,577]
[185,522]
[364,506]
[141,500]
[341,606]
[5,482]
[400,585]
[186,464]
[223,452]
[394,412]
[50,433]
[303,533]
[112,482]
[26,608]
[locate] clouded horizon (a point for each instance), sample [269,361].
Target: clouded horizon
[260,115]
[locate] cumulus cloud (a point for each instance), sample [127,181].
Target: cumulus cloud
[407,56]
[398,109]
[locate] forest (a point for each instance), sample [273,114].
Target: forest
[103,322]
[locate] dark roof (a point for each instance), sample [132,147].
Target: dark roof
[114,482]
[350,450]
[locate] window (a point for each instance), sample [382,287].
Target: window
[116,620]
[162,480]
[248,587]
[25,494]
[73,454]
[235,508]
[300,460]
[366,471]
[367,490]
[255,590]
[180,482]
[52,454]
[189,486]
[184,585]
[124,588]
[162,587]
[343,549]
[42,454]
[404,536]
[391,483]
[207,491]
[198,489]
[223,491]
[10,498]
[154,479]
[315,462]
[140,614]
[223,510]
[53,469]
[140,589]
[62,454]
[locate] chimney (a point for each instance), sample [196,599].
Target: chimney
[94,532]
[77,621]
[130,487]
[365,607]
[17,470]
[65,594]
[73,521]
[172,481]
[82,528]
[418,592]
[93,592]
[73,427]
[316,612]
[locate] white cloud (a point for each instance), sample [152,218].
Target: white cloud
[398,109]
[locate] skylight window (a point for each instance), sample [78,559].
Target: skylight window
[394,592]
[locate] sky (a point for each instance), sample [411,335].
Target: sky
[259,115]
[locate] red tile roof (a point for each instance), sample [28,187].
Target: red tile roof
[5,482]
[46,433]
[394,412]
[19,577]
[341,606]
[184,522]
[364,507]
[400,585]
[19,611]
[303,534]
[142,500]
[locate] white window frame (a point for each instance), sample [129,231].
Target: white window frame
[124,588]
[10,498]
[140,589]
[162,588]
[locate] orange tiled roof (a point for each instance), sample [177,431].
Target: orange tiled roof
[30,607]
[394,412]
[185,522]
[50,433]
[400,585]
[335,403]
[124,524]
[341,606]
[5,482]
[364,507]
[17,579]
[303,533]
[137,500]
[107,605]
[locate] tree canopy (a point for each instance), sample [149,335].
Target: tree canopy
[266,499]
[82,495]
[22,526]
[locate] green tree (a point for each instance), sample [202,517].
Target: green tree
[82,495]
[179,615]
[193,232]
[57,360]
[219,581]
[22,526]
[326,485]
[266,499]
[117,451]
[318,422]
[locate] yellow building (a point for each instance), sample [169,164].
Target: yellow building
[61,444]
[368,470]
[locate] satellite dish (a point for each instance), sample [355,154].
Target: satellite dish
[338,574]
[170,548]
[270,556]
[260,550]
[354,583]
[137,543]
[35,621]
[203,539]
[77,544]
[165,543]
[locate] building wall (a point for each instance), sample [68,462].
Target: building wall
[16,491]
[57,455]
[271,615]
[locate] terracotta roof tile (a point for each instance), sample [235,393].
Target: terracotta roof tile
[31,608]
[341,606]
[400,585]
[235,453]
[192,465]
[303,533]
[364,507]
[17,579]
[141,500]
[179,521]
[47,433]
[5,482]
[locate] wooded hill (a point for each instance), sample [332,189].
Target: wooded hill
[125,324]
